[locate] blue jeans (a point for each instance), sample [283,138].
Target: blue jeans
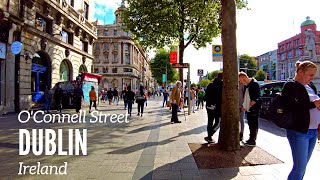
[302,146]
[48,105]
[165,100]
[129,107]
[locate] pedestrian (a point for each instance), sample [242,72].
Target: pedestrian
[241,98]
[129,95]
[147,96]
[58,94]
[186,94]
[124,97]
[301,99]
[252,105]
[115,94]
[110,95]
[175,100]
[165,98]
[48,97]
[105,97]
[140,99]
[193,99]
[93,99]
[78,96]
[213,98]
[200,98]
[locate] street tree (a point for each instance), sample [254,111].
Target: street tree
[158,65]
[204,82]
[248,64]
[163,23]
[229,129]
[260,75]
[214,74]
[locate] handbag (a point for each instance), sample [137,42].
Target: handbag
[277,113]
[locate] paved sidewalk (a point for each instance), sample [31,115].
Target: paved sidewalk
[148,147]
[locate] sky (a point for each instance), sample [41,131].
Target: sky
[259,30]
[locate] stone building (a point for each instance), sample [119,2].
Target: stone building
[293,49]
[119,60]
[56,38]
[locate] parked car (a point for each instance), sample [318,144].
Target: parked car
[268,91]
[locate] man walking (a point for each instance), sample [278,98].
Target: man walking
[93,99]
[175,100]
[213,98]
[251,105]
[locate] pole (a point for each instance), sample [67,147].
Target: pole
[188,83]
[166,77]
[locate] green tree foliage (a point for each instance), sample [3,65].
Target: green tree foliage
[193,85]
[204,82]
[251,64]
[158,67]
[163,23]
[214,74]
[260,75]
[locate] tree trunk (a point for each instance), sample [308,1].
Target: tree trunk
[229,129]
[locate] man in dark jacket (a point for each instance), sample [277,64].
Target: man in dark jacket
[251,104]
[213,98]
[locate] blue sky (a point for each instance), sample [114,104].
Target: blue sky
[104,10]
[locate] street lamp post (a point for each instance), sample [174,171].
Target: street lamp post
[246,69]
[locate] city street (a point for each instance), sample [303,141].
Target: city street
[147,147]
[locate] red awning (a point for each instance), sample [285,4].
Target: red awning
[91,77]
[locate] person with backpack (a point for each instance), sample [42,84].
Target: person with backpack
[140,99]
[301,99]
[130,99]
[58,94]
[213,98]
[252,105]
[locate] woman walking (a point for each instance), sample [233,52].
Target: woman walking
[302,100]
[129,95]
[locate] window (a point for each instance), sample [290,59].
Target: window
[290,54]
[127,70]
[115,46]
[105,32]
[115,32]
[282,56]
[105,70]
[106,46]
[71,3]
[96,70]
[43,24]
[67,37]
[297,52]
[84,46]
[97,60]
[298,42]
[106,59]
[85,10]
[114,70]
[64,71]
[127,60]
[97,47]
[115,58]
[126,47]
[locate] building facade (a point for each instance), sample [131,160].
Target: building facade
[293,49]
[119,60]
[56,45]
[268,63]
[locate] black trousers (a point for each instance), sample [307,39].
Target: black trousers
[213,117]
[140,106]
[174,117]
[77,103]
[58,104]
[94,104]
[253,122]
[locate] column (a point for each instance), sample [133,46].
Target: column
[119,52]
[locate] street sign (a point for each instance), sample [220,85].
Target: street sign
[200,72]
[183,65]
[16,47]
[217,53]
[164,78]
[3,50]
[173,57]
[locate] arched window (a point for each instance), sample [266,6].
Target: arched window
[82,69]
[64,71]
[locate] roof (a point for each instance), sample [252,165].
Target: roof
[308,22]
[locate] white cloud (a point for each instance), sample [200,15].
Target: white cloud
[109,4]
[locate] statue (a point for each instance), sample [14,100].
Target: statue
[311,45]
